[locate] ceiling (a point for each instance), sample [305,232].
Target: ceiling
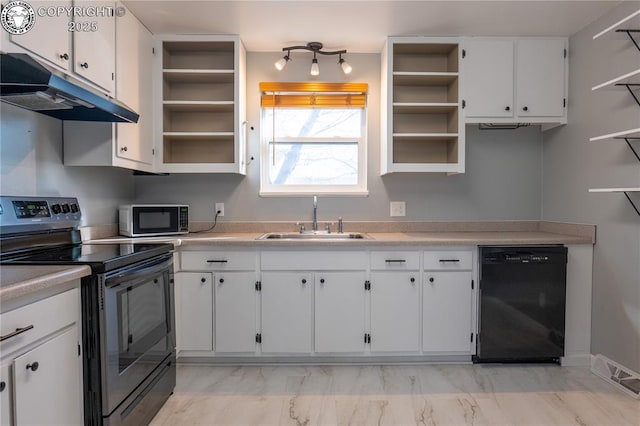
[363,25]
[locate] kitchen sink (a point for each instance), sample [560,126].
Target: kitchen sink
[313,236]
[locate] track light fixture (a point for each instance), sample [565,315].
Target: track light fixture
[316,48]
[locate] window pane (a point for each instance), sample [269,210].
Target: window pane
[307,122]
[314,164]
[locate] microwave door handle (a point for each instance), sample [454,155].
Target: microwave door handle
[139,274]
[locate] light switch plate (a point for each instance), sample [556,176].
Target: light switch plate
[398,208]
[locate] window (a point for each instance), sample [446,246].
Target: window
[313,143]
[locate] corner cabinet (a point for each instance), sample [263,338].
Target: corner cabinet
[515,80]
[200,111]
[422,126]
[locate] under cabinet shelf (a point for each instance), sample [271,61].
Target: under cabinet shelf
[424,107]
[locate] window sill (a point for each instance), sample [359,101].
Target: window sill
[361,193]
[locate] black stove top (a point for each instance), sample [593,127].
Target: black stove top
[100,257]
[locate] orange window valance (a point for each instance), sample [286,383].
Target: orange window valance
[313,95]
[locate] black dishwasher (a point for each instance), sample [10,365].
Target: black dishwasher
[522,304]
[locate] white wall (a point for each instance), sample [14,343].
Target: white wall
[503,178]
[572,164]
[31,165]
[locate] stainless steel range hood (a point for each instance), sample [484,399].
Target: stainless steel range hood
[26,83]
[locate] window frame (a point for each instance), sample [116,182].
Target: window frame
[267,189]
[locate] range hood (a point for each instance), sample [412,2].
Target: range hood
[26,83]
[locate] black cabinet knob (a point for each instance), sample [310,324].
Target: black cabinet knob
[124,149]
[221,280]
[33,366]
[155,281]
[203,280]
[304,281]
[2,386]
[84,65]
[413,280]
[64,56]
[525,108]
[508,108]
[431,279]
[321,280]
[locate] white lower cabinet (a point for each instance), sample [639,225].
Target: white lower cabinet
[47,383]
[395,311]
[446,312]
[5,395]
[286,312]
[340,312]
[235,311]
[194,319]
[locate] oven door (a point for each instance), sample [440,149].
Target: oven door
[137,327]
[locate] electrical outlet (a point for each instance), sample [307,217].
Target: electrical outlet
[220,208]
[398,208]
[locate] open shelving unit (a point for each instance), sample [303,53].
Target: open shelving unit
[422,130]
[201,105]
[630,25]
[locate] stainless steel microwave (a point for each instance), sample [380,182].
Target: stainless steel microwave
[144,220]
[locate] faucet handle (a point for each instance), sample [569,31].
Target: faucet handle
[301,225]
[340,225]
[327,227]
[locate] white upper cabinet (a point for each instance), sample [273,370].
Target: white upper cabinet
[515,80]
[488,78]
[94,50]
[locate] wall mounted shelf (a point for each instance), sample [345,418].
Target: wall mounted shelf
[623,26]
[625,191]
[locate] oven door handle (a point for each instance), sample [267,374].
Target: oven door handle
[145,270]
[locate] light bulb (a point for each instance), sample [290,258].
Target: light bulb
[346,68]
[281,63]
[315,69]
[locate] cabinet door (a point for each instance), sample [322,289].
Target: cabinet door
[235,311]
[286,312]
[49,38]
[395,312]
[339,312]
[5,395]
[94,51]
[488,78]
[195,318]
[540,69]
[47,383]
[446,315]
[134,47]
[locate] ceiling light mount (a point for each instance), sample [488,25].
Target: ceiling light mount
[316,48]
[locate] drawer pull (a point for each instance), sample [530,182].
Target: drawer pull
[304,281]
[203,280]
[217,261]
[15,333]
[431,279]
[395,261]
[413,280]
[33,367]
[449,260]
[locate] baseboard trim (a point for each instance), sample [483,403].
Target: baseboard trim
[621,377]
[576,360]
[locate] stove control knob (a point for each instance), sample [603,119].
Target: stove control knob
[65,208]
[56,209]
[74,208]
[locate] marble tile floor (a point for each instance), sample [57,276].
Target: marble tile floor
[395,395]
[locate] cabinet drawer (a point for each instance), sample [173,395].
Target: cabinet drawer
[218,261]
[314,260]
[40,319]
[448,260]
[395,260]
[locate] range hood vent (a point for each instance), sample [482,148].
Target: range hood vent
[26,83]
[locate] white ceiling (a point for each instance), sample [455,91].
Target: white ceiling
[362,26]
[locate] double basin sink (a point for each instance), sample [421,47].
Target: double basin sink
[314,235]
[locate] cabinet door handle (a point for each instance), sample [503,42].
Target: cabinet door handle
[203,280]
[449,260]
[33,366]
[3,385]
[84,65]
[15,333]
[508,108]
[217,261]
[431,279]
[413,280]
[304,281]
[221,280]
[525,108]
[321,280]
[395,260]
[64,56]
[124,149]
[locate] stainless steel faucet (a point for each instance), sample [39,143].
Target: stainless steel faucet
[315,213]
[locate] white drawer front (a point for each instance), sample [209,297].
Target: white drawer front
[313,260]
[218,261]
[395,260]
[39,319]
[448,260]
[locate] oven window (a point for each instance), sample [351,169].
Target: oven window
[155,220]
[143,319]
